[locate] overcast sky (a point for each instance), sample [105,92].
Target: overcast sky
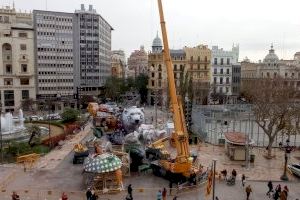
[254,24]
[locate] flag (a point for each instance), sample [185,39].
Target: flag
[209,183]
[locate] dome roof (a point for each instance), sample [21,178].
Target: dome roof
[271,57]
[297,56]
[157,42]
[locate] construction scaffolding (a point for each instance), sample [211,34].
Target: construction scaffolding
[210,122]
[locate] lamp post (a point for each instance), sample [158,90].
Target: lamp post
[214,178]
[287,150]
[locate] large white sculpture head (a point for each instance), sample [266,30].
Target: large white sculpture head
[132,118]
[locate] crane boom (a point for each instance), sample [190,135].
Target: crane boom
[182,163]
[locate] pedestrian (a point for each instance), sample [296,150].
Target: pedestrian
[224,172]
[277,192]
[270,186]
[170,186]
[243,180]
[64,196]
[164,194]
[88,194]
[175,198]
[129,190]
[234,173]
[284,193]
[159,195]
[94,195]
[248,191]
[15,196]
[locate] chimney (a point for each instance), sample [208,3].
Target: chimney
[82,7]
[90,7]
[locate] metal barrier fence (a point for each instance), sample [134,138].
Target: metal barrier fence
[212,121]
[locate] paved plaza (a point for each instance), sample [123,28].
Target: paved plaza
[55,174]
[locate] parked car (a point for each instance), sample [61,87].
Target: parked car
[35,118]
[54,116]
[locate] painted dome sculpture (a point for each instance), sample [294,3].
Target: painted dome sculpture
[271,58]
[102,163]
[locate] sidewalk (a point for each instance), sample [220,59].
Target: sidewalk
[261,170]
[52,159]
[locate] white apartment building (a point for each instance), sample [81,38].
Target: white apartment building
[17,74]
[222,61]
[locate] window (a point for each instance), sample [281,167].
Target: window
[159,75]
[153,75]
[227,89]
[9,98]
[268,74]
[293,75]
[215,71]
[221,71]
[159,67]
[215,80]
[205,67]
[221,80]
[205,58]
[222,61]
[227,80]
[181,67]
[228,61]
[152,83]
[227,71]
[24,35]
[216,61]
[23,47]
[286,74]
[191,58]
[23,68]
[159,83]
[8,69]
[198,66]
[175,67]
[8,81]
[221,89]
[25,94]
[24,81]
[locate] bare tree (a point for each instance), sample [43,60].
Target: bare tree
[273,106]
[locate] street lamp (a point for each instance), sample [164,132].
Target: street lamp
[287,150]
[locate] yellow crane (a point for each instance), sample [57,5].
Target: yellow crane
[182,164]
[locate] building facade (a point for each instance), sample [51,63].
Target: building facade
[272,67]
[118,64]
[92,44]
[188,63]
[222,72]
[138,63]
[198,66]
[54,50]
[17,74]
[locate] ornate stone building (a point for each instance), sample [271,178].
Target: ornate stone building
[272,67]
[187,62]
[118,64]
[17,71]
[138,63]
